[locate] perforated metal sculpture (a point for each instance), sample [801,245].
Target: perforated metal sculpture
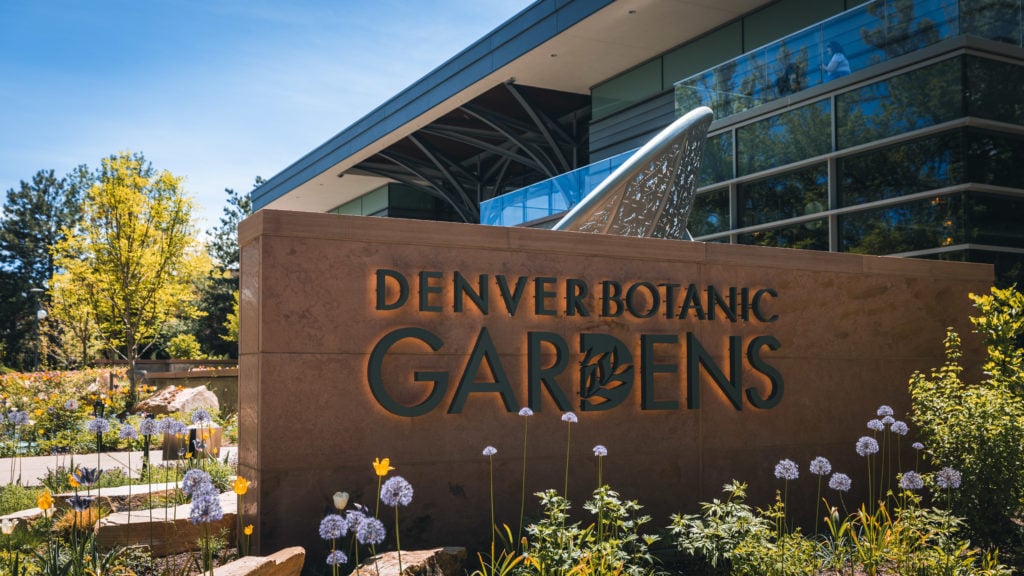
[651,194]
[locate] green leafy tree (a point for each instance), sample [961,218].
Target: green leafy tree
[35,217]
[978,429]
[219,291]
[134,257]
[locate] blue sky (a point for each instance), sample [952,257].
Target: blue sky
[217,91]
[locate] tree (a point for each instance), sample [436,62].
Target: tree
[219,292]
[35,218]
[134,257]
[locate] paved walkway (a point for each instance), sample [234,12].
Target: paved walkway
[32,469]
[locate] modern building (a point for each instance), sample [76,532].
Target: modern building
[914,146]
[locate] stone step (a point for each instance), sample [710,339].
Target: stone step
[169,532]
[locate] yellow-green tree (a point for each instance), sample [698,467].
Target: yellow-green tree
[134,257]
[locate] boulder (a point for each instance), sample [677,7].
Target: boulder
[447,561]
[173,399]
[287,562]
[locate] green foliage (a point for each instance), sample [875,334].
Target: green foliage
[979,428]
[185,346]
[15,497]
[715,534]
[612,545]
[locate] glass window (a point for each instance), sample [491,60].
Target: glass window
[710,213]
[785,138]
[919,98]
[623,90]
[783,196]
[794,63]
[993,90]
[995,158]
[896,27]
[375,202]
[807,236]
[918,225]
[905,168]
[995,219]
[716,164]
[995,19]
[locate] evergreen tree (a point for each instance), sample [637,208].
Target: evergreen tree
[36,217]
[219,292]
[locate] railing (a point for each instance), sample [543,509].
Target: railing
[866,35]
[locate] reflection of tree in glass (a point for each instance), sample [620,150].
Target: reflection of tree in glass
[904,228]
[784,138]
[920,98]
[791,74]
[898,31]
[995,19]
[784,196]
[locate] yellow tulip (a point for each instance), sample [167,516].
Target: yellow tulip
[247,530]
[241,486]
[71,480]
[382,467]
[44,501]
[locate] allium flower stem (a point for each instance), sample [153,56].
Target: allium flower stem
[568,443]
[490,460]
[522,497]
[398,542]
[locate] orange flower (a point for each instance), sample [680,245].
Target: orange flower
[241,486]
[247,530]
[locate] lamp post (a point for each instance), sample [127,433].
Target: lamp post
[39,316]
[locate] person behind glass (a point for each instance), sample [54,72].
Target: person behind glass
[837,65]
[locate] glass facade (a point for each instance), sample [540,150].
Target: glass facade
[398,201]
[920,159]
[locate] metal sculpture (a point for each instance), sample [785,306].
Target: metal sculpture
[651,194]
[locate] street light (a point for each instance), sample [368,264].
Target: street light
[40,316]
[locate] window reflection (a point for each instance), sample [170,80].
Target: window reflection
[716,164]
[788,137]
[920,98]
[901,169]
[710,213]
[994,19]
[994,219]
[807,236]
[917,225]
[993,90]
[783,196]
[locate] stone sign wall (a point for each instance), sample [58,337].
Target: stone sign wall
[693,364]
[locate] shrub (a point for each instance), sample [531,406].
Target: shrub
[979,428]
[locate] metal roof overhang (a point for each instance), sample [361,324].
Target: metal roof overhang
[505,100]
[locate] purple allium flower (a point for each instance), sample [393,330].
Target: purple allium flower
[876,425]
[490,451]
[917,446]
[900,427]
[336,557]
[370,531]
[947,478]
[867,445]
[128,432]
[80,503]
[396,491]
[194,482]
[885,410]
[87,476]
[333,526]
[786,469]
[353,517]
[165,425]
[820,466]
[526,412]
[840,482]
[569,417]
[200,416]
[71,405]
[177,428]
[888,421]
[911,481]
[147,427]
[206,507]
[98,426]
[600,450]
